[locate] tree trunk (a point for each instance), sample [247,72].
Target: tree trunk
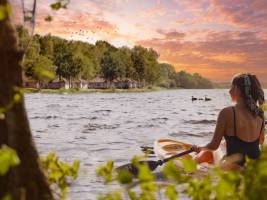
[27,180]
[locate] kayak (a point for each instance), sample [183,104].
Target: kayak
[165,148]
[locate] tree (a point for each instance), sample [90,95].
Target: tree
[188,81]
[152,67]
[67,65]
[138,59]
[126,57]
[23,36]
[85,52]
[88,71]
[27,180]
[202,82]
[123,62]
[109,67]
[36,65]
[46,46]
[167,71]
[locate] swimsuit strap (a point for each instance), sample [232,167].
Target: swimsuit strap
[262,126]
[234,120]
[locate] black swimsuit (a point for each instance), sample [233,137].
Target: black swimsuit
[236,145]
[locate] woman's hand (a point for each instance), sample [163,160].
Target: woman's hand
[196,148]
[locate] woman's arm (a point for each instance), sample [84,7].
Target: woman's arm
[218,134]
[262,136]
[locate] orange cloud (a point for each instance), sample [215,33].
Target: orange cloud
[247,13]
[214,37]
[217,51]
[171,34]
[158,10]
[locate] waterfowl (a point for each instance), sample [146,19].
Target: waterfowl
[207,99]
[194,98]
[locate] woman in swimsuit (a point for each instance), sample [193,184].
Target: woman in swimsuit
[242,125]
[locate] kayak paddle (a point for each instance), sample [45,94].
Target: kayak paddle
[152,164]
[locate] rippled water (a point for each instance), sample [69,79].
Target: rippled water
[100,126]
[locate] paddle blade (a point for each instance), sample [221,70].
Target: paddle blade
[152,165]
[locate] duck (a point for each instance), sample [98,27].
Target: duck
[207,99]
[194,98]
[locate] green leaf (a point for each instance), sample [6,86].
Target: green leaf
[8,159]
[48,18]
[105,171]
[2,13]
[264,107]
[7,197]
[144,174]
[56,6]
[125,177]
[190,165]
[17,98]
[224,189]
[172,172]
[5,11]
[132,195]
[171,192]
[59,173]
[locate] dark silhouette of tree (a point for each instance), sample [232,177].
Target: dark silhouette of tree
[27,180]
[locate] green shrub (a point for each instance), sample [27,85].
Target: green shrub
[59,173]
[249,183]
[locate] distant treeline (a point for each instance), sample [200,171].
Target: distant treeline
[49,56]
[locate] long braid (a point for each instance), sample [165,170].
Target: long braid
[251,92]
[258,95]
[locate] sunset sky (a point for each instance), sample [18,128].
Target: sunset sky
[216,38]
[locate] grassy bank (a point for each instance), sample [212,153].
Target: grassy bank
[110,90]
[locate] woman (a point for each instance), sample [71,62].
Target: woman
[241,125]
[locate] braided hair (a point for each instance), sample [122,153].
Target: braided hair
[251,92]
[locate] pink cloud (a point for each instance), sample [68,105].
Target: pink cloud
[157,11]
[218,51]
[247,13]
[171,34]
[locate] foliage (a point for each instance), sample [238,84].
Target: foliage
[17,97]
[50,55]
[8,159]
[5,11]
[68,66]
[264,107]
[60,4]
[188,81]
[249,183]
[59,173]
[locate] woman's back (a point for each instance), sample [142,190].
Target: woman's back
[242,124]
[244,134]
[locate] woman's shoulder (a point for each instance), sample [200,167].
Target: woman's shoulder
[226,112]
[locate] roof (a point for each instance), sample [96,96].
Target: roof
[97,80]
[57,80]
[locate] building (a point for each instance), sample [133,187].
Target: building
[79,84]
[57,84]
[31,84]
[98,83]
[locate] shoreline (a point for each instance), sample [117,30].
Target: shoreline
[84,91]
[110,90]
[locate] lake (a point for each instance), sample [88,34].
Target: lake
[96,127]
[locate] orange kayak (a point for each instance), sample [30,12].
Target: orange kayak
[165,148]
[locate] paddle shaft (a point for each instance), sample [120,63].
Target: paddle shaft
[177,155]
[152,164]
